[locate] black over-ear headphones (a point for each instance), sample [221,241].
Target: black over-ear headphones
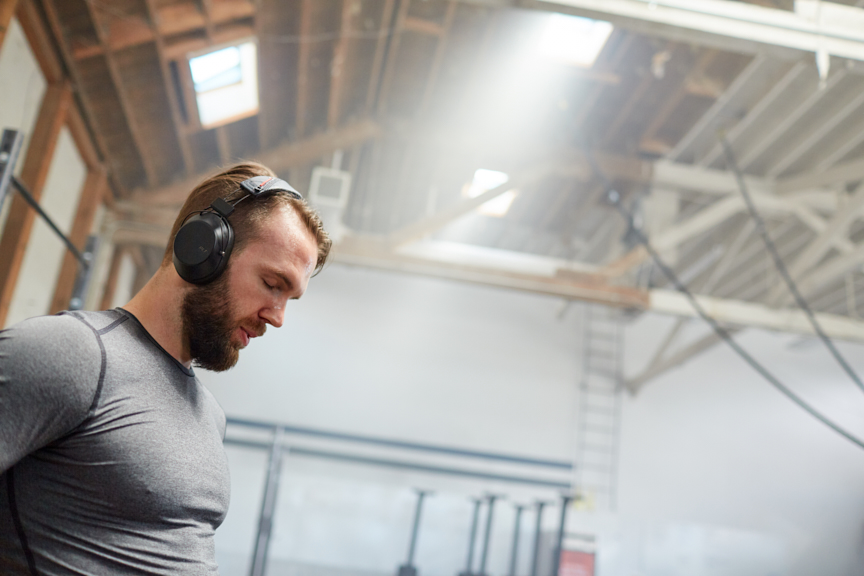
[205,239]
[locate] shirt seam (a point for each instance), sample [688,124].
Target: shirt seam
[104,361]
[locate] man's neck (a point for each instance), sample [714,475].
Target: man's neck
[158,307]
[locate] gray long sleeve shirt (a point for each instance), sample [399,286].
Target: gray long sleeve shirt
[111,457]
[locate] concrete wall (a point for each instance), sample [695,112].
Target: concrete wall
[720,475]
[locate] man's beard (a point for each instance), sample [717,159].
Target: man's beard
[208,325]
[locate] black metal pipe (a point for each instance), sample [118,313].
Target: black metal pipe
[484,554]
[515,549]
[268,506]
[400,444]
[421,494]
[401,464]
[472,538]
[35,205]
[539,526]
[556,561]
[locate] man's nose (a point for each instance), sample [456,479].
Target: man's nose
[273,316]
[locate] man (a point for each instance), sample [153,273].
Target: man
[111,458]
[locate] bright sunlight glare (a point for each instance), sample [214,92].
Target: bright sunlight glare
[573,40]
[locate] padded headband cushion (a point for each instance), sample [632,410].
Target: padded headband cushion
[263,185]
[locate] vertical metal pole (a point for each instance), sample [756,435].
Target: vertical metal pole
[420,495]
[538,528]
[85,274]
[472,538]
[10,147]
[515,550]
[556,561]
[485,552]
[268,505]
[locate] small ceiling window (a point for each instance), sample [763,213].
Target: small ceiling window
[485,180]
[226,83]
[573,40]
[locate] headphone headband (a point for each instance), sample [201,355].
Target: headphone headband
[205,240]
[260,185]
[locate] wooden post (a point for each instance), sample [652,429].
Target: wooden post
[16,234]
[7,9]
[113,274]
[91,196]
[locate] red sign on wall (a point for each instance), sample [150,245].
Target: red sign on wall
[576,563]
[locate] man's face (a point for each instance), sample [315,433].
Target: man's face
[221,317]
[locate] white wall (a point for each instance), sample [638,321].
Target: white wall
[45,251]
[22,86]
[720,475]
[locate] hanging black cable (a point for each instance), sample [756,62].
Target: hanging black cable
[614,198]
[781,267]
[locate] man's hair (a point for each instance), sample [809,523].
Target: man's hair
[249,216]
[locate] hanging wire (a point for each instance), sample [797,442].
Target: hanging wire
[781,267]
[614,198]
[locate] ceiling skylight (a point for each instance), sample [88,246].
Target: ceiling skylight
[573,40]
[226,83]
[485,180]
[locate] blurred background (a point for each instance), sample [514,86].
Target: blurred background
[491,331]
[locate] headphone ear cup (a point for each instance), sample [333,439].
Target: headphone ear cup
[202,247]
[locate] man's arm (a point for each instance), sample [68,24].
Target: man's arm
[49,375]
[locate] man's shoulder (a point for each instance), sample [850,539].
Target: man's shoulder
[68,334]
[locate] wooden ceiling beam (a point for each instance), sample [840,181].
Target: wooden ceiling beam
[438,58]
[123,97]
[180,49]
[7,10]
[338,66]
[223,143]
[172,20]
[588,105]
[392,52]
[636,96]
[40,41]
[694,78]
[91,197]
[279,159]
[34,173]
[378,59]
[174,105]
[303,67]
[113,275]
[423,26]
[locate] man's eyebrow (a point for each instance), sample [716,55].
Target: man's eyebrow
[281,276]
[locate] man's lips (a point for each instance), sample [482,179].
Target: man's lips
[245,336]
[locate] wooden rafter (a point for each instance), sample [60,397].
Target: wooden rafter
[378,59]
[113,274]
[440,49]
[392,53]
[91,197]
[123,96]
[280,159]
[263,108]
[587,107]
[170,21]
[338,67]
[19,223]
[672,103]
[174,105]
[624,114]
[7,10]
[303,67]
[223,143]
